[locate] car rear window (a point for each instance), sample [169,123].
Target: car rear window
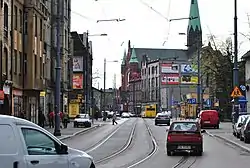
[162,115]
[184,126]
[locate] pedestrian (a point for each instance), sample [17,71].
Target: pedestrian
[41,118]
[114,119]
[65,120]
[51,119]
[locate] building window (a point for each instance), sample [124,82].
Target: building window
[21,62]
[20,20]
[15,61]
[35,25]
[6,20]
[15,16]
[25,64]
[35,65]
[41,66]
[41,30]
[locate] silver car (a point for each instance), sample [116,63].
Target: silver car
[237,126]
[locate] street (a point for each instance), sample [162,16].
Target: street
[130,144]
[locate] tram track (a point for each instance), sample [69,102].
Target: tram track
[185,162]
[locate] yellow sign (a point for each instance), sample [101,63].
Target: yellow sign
[42,94]
[236,92]
[73,110]
[187,79]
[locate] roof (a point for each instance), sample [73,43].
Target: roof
[12,119]
[195,24]
[133,58]
[246,55]
[155,53]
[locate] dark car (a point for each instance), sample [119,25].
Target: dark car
[162,118]
[245,131]
[184,136]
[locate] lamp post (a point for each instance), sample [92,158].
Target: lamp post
[104,85]
[88,93]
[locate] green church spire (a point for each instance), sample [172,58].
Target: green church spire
[124,58]
[133,58]
[195,23]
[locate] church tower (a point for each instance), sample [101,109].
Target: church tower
[194,31]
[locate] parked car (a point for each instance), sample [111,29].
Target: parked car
[125,115]
[110,114]
[237,126]
[132,114]
[184,136]
[82,120]
[26,145]
[209,118]
[162,118]
[245,131]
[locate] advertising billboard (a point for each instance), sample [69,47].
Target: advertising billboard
[169,68]
[77,63]
[189,79]
[187,68]
[170,79]
[77,81]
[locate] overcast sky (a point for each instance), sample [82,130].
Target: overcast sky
[148,27]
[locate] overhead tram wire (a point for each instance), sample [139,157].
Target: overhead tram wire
[169,23]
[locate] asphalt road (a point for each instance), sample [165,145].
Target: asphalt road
[217,153]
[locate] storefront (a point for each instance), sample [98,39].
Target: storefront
[17,102]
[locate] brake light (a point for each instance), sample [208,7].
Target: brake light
[169,138]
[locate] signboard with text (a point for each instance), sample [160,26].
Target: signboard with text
[188,79]
[170,79]
[77,81]
[187,68]
[77,63]
[169,68]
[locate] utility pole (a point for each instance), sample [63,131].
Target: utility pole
[199,97]
[134,106]
[86,72]
[57,131]
[104,88]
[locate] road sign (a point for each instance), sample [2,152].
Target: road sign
[192,101]
[236,92]
[243,88]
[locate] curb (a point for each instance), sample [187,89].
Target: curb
[79,132]
[246,149]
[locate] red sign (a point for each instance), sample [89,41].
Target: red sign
[77,81]
[170,79]
[1,95]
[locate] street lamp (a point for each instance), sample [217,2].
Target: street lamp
[104,85]
[88,93]
[111,20]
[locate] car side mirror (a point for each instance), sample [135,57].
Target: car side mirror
[203,131]
[167,130]
[62,149]
[240,125]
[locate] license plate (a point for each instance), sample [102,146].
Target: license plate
[206,121]
[184,147]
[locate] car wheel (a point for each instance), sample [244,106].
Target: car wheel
[92,165]
[169,153]
[156,124]
[218,126]
[168,124]
[246,140]
[241,138]
[237,135]
[234,134]
[199,153]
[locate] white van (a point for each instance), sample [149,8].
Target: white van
[23,144]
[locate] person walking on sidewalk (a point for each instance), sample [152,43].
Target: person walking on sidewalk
[51,119]
[65,120]
[41,118]
[114,119]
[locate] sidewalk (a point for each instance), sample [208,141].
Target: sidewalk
[71,131]
[225,133]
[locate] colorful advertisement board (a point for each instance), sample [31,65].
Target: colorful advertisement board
[169,68]
[187,68]
[188,79]
[170,79]
[77,81]
[77,63]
